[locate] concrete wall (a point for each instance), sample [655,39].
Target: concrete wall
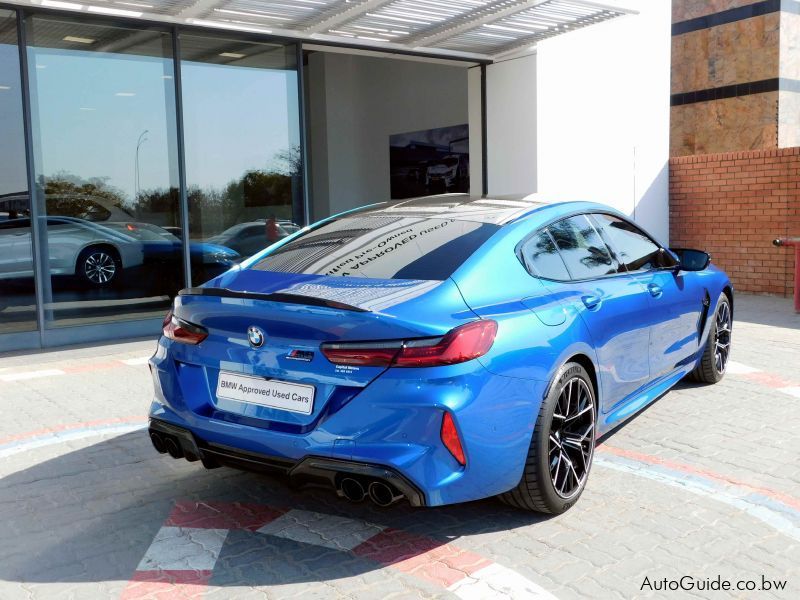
[511,120]
[354,104]
[475,131]
[596,102]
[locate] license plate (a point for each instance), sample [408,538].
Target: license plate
[294,397]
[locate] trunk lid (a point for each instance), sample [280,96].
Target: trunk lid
[296,313]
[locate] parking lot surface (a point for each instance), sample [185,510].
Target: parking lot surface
[704,485]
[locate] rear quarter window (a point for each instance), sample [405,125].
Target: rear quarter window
[541,257]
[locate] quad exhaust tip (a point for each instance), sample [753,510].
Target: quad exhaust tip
[353,490]
[382,494]
[166,444]
[158,442]
[173,448]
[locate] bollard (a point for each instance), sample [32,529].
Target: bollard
[794,242]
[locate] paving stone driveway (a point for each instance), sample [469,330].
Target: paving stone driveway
[705,483]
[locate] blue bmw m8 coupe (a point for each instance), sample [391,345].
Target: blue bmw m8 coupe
[437,350]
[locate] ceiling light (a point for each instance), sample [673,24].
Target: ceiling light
[77,39]
[87,108]
[166,77]
[232,55]
[41,66]
[59,4]
[125,94]
[137,4]
[115,11]
[3,88]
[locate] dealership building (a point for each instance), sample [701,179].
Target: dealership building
[150,144]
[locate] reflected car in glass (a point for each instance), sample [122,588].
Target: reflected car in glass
[95,254]
[251,237]
[162,248]
[437,350]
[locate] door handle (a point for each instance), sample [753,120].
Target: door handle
[654,289]
[591,302]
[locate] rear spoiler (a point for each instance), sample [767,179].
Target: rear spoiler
[273,297]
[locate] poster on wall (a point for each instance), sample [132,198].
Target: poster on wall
[431,161]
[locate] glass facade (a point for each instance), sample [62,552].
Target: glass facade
[17,293]
[114,177]
[106,169]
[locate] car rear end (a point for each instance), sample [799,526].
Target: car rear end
[369,383]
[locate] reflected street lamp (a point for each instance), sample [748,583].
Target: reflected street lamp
[142,139]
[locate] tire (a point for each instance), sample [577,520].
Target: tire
[714,361]
[98,266]
[536,490]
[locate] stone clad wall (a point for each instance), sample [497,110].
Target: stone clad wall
[742,51]
[683,10]
[725,86]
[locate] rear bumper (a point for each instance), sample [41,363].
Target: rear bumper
[311,470]
[392,424]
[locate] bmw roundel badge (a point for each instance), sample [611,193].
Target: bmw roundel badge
[255,336]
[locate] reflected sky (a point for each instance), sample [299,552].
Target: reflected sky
[92,108]
[12,145]
[236,119]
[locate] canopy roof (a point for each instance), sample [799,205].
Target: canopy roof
[478,29]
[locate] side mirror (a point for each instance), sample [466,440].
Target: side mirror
[692,260]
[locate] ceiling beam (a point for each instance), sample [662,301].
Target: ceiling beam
[525,43]
[350,13]
[475,18]
[198,8]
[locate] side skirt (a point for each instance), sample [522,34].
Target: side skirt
[649,394]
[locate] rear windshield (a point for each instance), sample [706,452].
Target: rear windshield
[381,247]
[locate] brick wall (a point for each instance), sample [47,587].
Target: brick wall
[733,205]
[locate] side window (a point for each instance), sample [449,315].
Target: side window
[582,248]
[541,257]
[635,248]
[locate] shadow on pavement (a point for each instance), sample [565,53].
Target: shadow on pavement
[773,311]
[90,515]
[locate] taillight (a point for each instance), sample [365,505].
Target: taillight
[458,345]
[182,331]
[450,439]
[377,354]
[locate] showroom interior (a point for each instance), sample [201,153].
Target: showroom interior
[161,151]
